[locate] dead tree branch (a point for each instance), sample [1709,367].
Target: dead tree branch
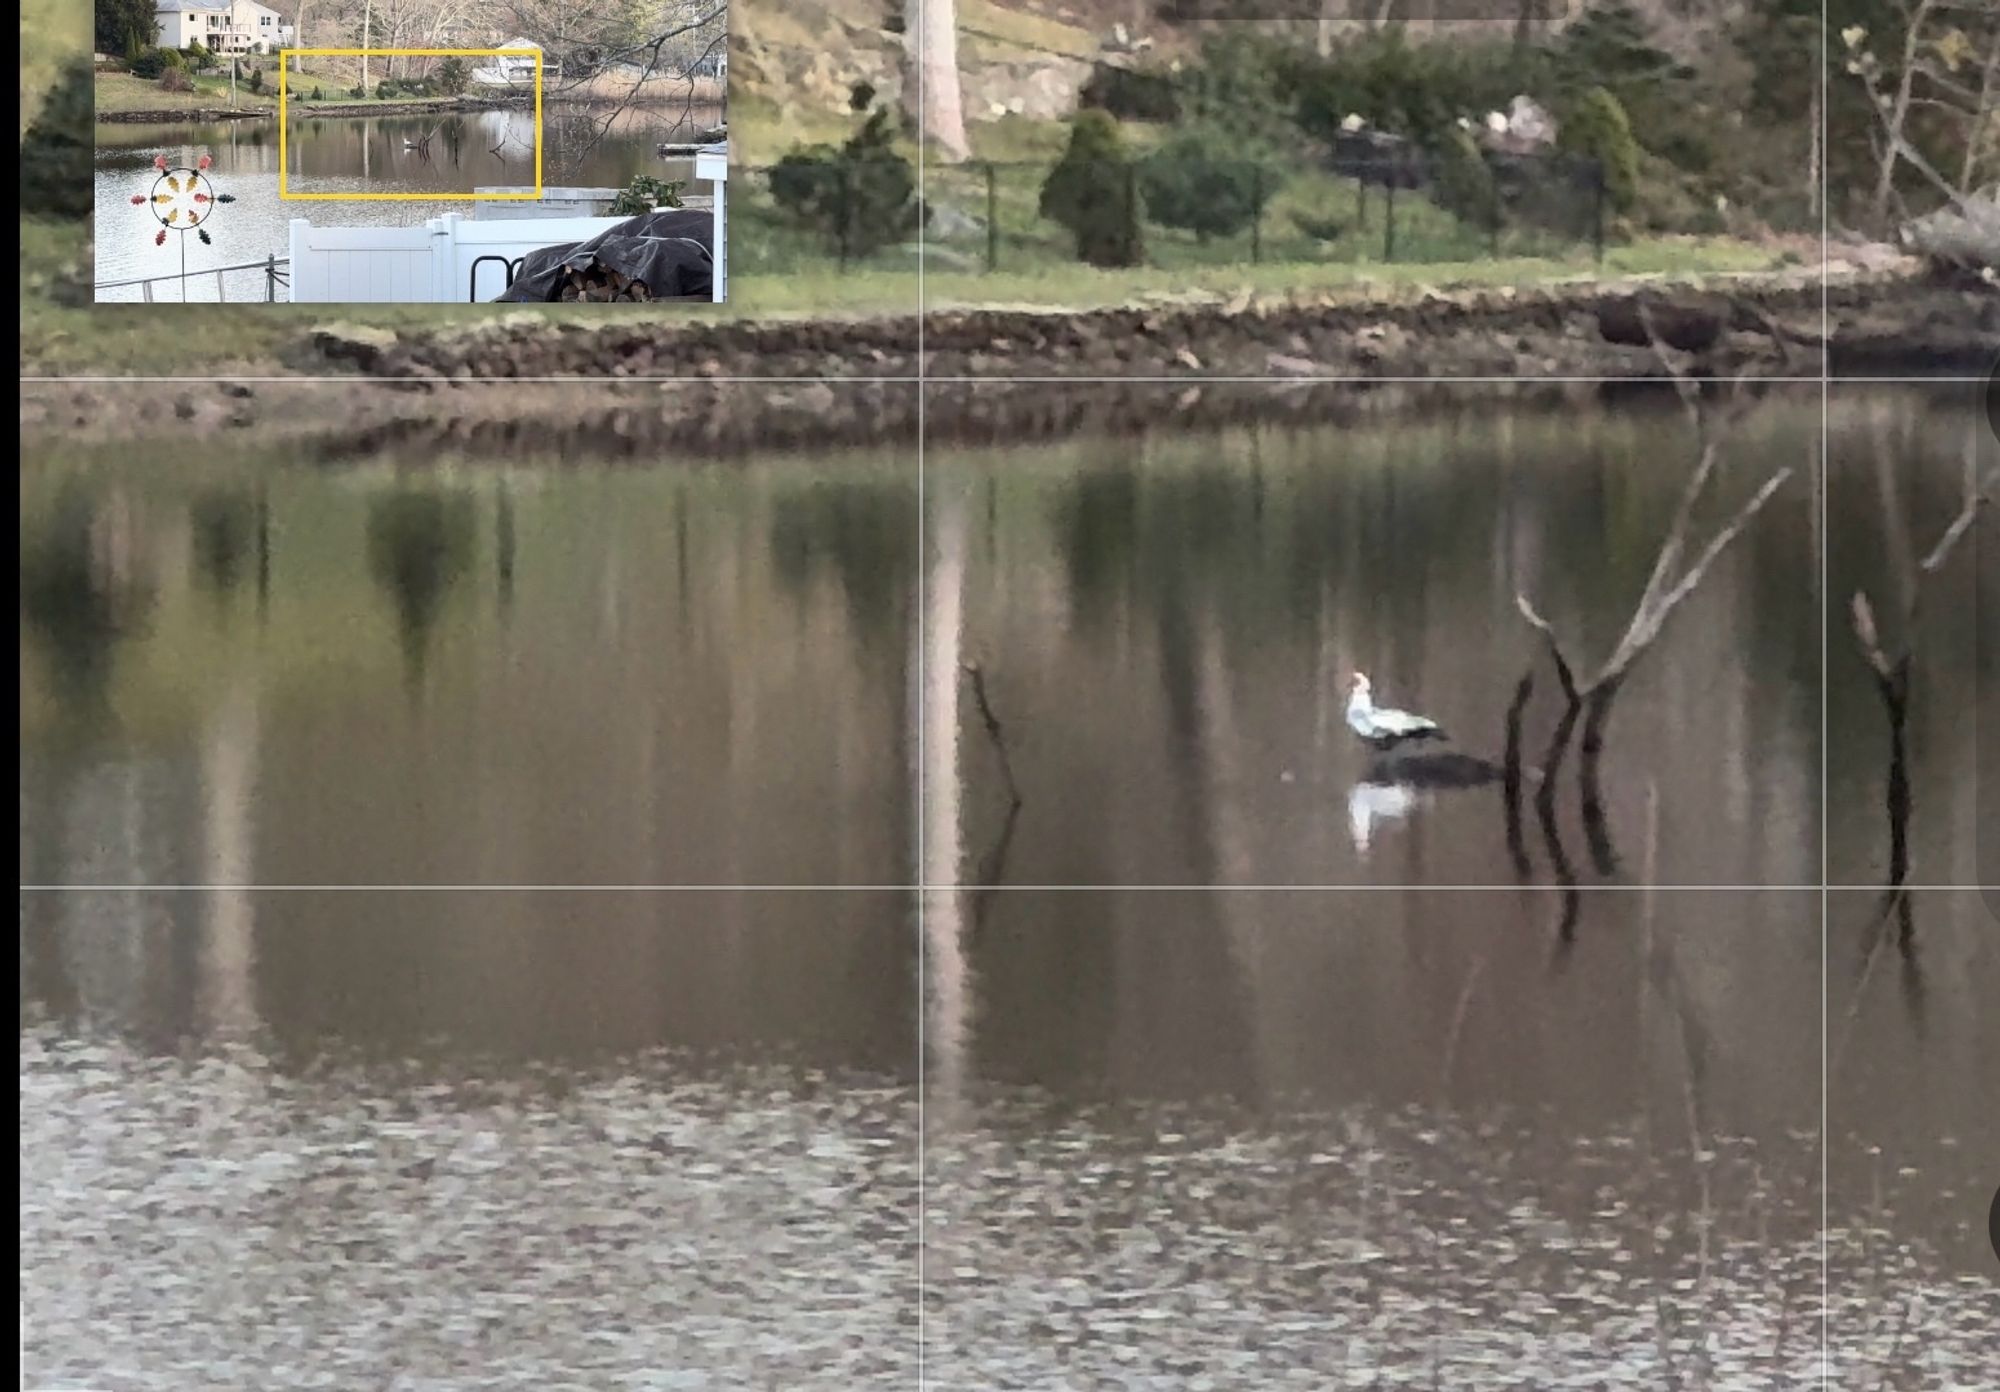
[994,732]
[1891,667]
[1671,581]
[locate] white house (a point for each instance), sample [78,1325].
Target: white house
[221,26]
[514,70]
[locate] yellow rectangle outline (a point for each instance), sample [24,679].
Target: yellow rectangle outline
[285,53]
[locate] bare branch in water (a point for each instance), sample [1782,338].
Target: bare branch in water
[1892,669]
[1975,494]
[1564,674]
[994,732]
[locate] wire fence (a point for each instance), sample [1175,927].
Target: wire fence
[998,217]
[988,217]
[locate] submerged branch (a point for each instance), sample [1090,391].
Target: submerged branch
[994,732]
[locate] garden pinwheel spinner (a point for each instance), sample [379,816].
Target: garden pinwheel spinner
[181,201]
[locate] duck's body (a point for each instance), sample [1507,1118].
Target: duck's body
[1381,726]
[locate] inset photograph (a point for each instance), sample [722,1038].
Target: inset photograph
[1366,1139]
[338,633]
[1913,667]
[1267,635]
[356,1139]
[412,154]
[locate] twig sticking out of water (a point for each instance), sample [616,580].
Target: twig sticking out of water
[1891,669]
[994,865]
[994,732]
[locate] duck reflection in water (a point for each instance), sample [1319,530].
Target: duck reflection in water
[1396,786]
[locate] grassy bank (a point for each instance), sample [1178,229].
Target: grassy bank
[122,92]
[63,332]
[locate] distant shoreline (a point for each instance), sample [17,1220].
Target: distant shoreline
[298,108]
[416,106]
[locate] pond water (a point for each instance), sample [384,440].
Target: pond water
[1024,1130]
[1167,627]
[351,154]
[239,670]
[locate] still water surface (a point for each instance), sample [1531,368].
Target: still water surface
[1171,1139]
[1167,628]
[237,670]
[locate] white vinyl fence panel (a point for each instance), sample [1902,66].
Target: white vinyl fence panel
[361,265]
[433,264]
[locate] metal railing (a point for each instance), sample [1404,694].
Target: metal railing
[274,267]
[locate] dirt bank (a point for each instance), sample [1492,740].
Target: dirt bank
[352,421]
[192,115]
[1762,325]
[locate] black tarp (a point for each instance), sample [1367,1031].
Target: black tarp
[672,251]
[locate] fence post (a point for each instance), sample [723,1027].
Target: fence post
[1361,200]
[1389,218]
[1132,194]
[1256,213]
[992,219]
[1597,211]
[271,278]
[846,212]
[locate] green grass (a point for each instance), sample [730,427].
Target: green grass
[1074,286]
[52,32]
[124,92]
[63,332]
[58,337]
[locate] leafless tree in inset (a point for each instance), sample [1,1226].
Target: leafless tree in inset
[584,39]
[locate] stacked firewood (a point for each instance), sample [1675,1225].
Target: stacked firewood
[602,285]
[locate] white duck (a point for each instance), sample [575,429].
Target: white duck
[1382,727]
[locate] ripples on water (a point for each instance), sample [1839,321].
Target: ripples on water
[213,1222]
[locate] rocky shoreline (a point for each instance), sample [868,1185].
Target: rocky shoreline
[1865,324]
[192,115]
[303,109]
[354,421]
[700,389]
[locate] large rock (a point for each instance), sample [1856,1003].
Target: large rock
[363,345]
[1690,326]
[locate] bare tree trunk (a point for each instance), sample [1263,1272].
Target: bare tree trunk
[1982,115]
[1900,111]
[1813,153]
[367,25]
[299,37]
[933,29]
